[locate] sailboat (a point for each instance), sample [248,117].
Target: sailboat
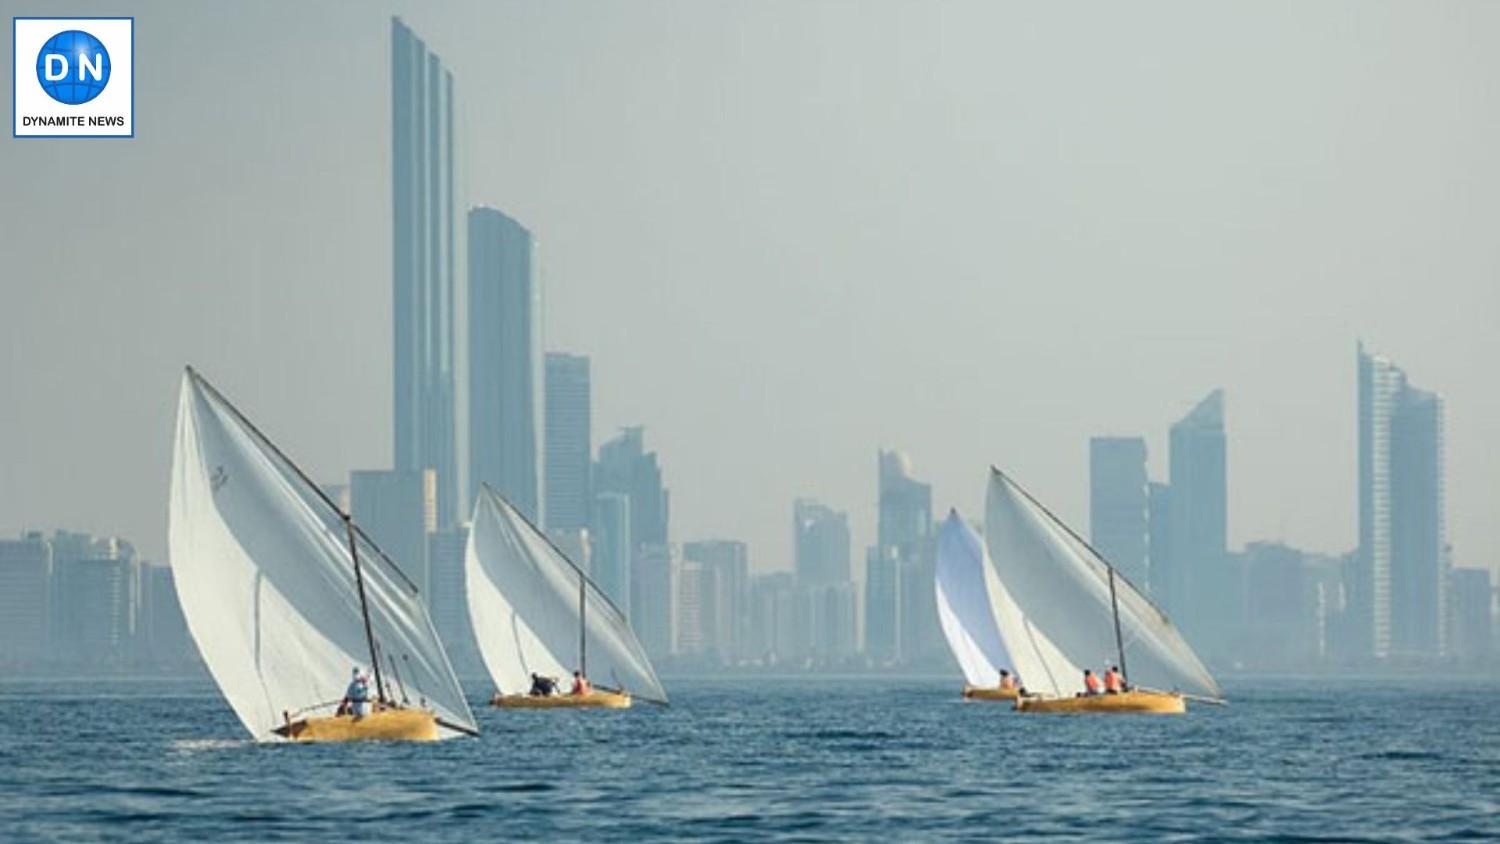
[533,611]
[967,594]
[283,592]
[1061,607]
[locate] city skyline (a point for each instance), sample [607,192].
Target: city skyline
[1285,370]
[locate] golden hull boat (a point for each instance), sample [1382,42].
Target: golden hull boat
[597,699]
[989,693]
[1135,701]
[381,725]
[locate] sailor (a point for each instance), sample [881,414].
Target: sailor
[1090,682]
[1007,680]
[357,696]
[1113,682]
[581,685]
[542,686]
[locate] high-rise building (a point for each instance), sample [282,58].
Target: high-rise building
[1473,614]
[423,261]
[1119,507]
[821,543]
[447,597]
[569,450]
[1419,546]
[1281,608]
[778,630]
[697,609]
[167,644]
[97,600]
[505,362]
[25,599]
[883,604]
[830,621]
[1159,545]
[1197,561]
[1399,591]
[904,533]
[728,563]
[398,510]
[612,550]
[655,572]
[625,467]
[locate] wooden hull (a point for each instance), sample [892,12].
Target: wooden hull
[985,693]
[384,725]
[597,699]
[1131,702]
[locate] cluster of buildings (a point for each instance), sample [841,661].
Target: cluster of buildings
[1395,599]
[71,602]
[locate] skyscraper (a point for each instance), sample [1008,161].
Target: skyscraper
[1118,505]
[569,451]
[505,362]
[883,604]
[1473,614]
[609,533]
[423,257]
[655,573]
[624,466]
[398,509]
[97,599]
[25,599]
[728,610]
[1158,530]
[447,600]
[905,543]
[1400,594]
[821,542]
[1198,591]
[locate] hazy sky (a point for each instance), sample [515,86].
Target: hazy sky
[789,234]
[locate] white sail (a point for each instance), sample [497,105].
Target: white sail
[524,605]
[1061,587]
[965,611]
[266,580]
[985,628]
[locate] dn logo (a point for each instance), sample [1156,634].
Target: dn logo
[73,67]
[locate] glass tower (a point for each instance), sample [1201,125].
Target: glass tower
[423,264]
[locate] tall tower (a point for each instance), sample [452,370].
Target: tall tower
[423,264]
[1119,506]
[569,450]
[1400,585]
[1197,591]
[505,362]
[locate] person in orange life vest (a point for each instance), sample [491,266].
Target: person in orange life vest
[1113,682]
[1007,680]
[1090,682]
[581,685]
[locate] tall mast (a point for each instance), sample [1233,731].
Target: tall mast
[1114,604]
[583,635]
[364,607]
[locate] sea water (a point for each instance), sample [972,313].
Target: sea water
[771,759]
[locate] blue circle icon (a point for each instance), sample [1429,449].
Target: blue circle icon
[73,67]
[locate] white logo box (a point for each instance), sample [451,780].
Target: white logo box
[116,101]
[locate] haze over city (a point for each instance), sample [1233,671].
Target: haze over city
[787,236]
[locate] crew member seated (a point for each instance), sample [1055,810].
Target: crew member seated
[1007,680]
[1091,683]
[542,686]
[581,684]
[1114,683]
